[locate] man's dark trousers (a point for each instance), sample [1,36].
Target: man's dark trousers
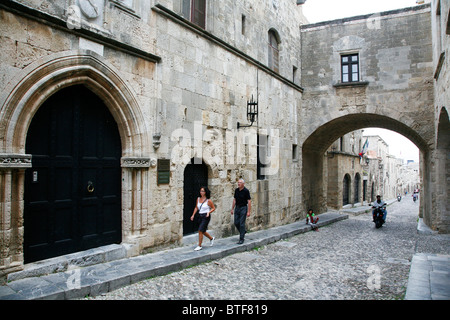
[240,215]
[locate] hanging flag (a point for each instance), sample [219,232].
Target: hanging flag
[364,149]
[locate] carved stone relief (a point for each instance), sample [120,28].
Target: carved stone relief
[15,161]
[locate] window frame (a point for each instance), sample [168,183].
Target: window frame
[191,11]
[198,17]
[274,51]
[294,152]
[350,64]
[262,155]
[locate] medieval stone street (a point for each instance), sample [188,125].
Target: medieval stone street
[113,115]
[349,259]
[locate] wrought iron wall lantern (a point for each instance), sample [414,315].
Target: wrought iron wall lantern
[252,113]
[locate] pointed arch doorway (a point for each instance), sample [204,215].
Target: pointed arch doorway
[73,190]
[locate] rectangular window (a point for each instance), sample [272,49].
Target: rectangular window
[198,15]
[350,68]
[294,152]
[195,11]
[262,153]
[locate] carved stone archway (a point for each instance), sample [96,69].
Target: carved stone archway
[18,104]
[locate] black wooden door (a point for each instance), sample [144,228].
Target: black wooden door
[73,190]
[346,190]
[195,177]
[356,188]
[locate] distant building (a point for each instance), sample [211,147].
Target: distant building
[352,181]
[345,184]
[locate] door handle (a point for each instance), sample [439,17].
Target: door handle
[90,187]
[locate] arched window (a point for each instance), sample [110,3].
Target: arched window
[274,53]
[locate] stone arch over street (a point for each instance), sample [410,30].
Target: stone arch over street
[393,88]
[314,147]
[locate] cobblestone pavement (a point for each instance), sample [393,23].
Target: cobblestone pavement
[349,259]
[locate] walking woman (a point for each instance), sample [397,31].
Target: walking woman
[204,207]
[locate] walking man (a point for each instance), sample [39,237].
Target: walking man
[242,205]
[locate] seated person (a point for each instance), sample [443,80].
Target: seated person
[312,220]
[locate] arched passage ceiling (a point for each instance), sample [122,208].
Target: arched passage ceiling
[325,135]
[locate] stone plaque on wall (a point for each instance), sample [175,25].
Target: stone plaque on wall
[163,171]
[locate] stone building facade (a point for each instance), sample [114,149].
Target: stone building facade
[114,112]
[176,81]
[378,163]
[410,177]
[345,172]
[355,176]
[440,19]
[387,175]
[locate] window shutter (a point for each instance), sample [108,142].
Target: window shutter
[186,9]
[199,13]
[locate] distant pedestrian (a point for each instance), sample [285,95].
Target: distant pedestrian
[312,220]
[204,207]
[242,205]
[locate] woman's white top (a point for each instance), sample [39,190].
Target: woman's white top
[203,208]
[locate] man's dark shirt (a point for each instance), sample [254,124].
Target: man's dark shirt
[242,196]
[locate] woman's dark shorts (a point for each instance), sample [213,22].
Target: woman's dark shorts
[204,221]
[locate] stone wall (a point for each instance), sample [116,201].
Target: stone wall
[205,86]
[440,19]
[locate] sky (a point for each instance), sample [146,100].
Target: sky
[336,9]
[399,146]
